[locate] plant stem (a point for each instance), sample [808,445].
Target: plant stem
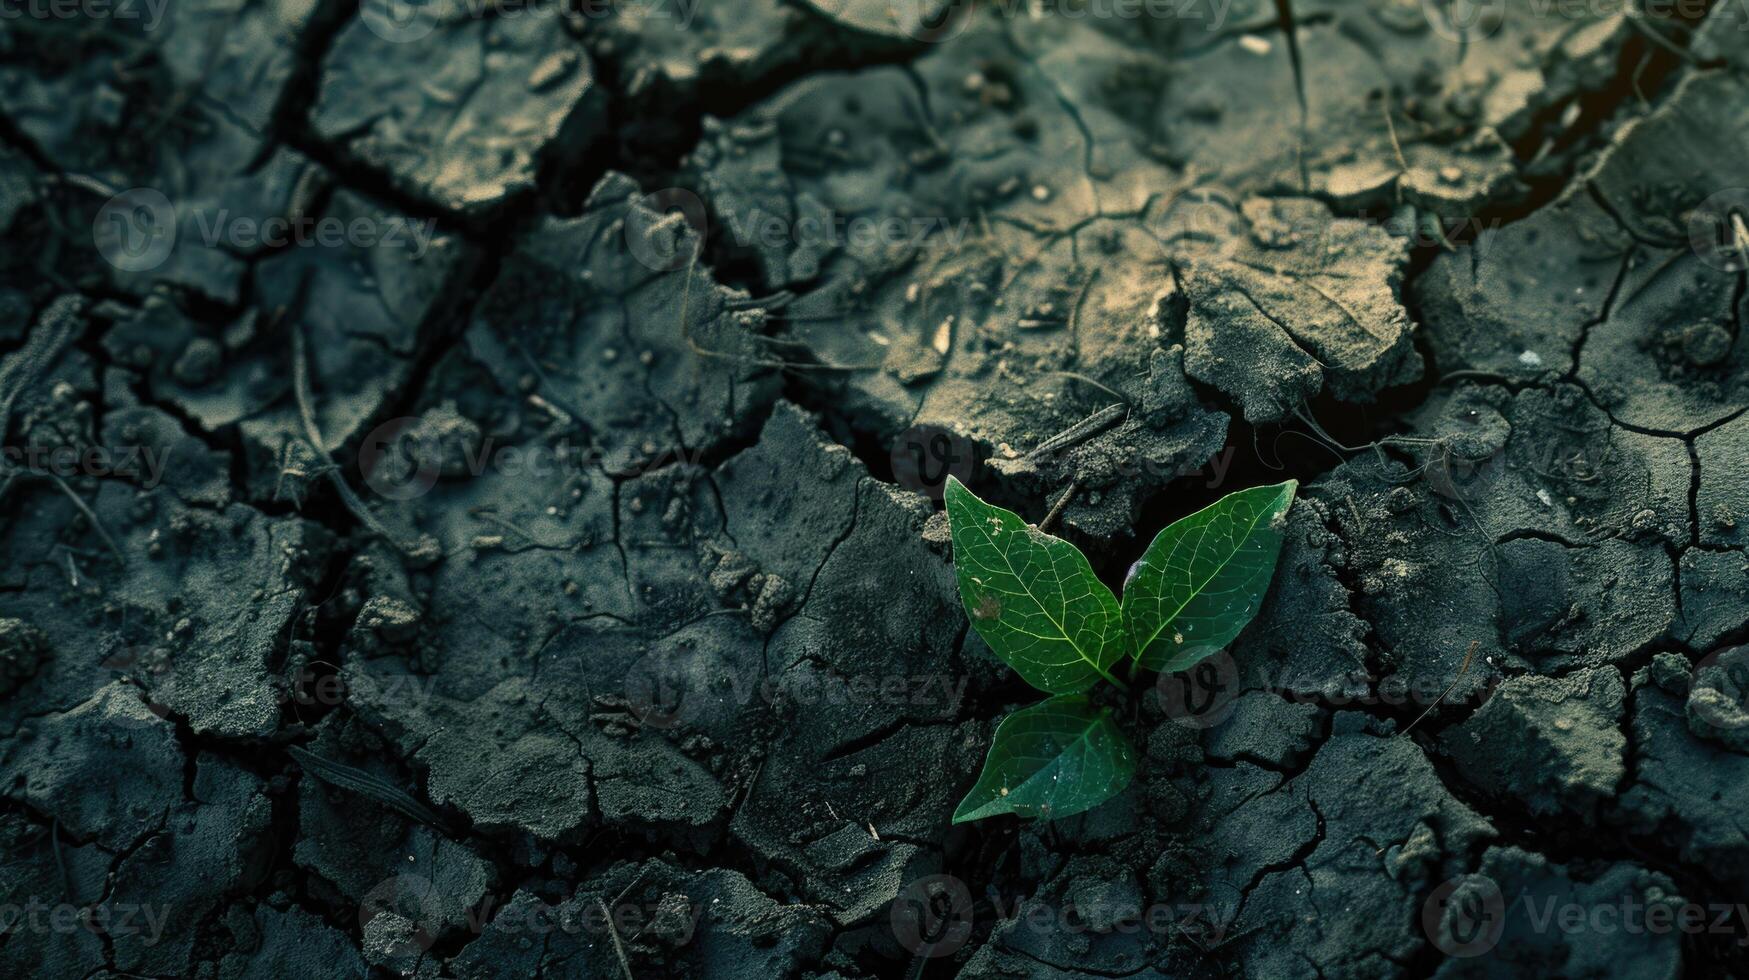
[1062,502]
[1112,678]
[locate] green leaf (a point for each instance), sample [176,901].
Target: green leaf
[1054,759]
[1033,598]
[1204,578]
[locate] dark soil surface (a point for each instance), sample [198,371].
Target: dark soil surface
[470,502]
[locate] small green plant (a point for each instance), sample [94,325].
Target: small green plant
[1036,602]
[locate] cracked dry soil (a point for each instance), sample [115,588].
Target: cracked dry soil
[529,563]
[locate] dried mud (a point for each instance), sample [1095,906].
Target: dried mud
[647,661]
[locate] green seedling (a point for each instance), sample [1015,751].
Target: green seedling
[1037,604]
